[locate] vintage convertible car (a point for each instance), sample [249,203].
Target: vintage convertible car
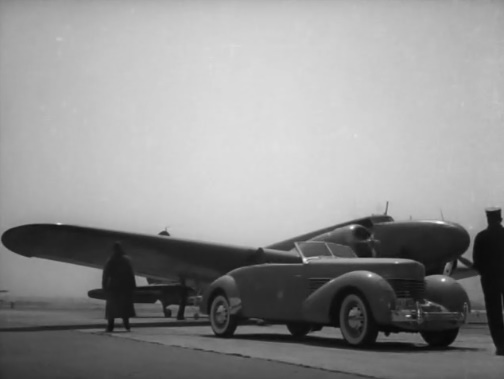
[331,286]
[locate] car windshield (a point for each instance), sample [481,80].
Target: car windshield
[341,251]
[313,249]
[318,249]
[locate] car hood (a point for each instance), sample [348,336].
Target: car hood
[385,267]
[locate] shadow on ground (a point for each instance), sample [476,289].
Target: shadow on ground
[339,343]
[42,328]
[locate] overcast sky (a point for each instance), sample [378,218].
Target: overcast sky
[243,122]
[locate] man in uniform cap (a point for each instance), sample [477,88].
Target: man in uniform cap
[488,255]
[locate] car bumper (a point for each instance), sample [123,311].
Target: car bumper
[424,318]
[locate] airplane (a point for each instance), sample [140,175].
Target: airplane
[438,245]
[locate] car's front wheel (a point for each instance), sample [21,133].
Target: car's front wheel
[356,321]
[299,329]
[442,338]
[222,321]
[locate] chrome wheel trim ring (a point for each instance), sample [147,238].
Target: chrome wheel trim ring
[354,319]
[220,315]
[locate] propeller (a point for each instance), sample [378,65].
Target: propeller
[466,261]
[363,236]
[450,267]
[465,272]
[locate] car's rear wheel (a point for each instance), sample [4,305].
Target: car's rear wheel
[442,338]
[167,312]
[299,329]
[357,324]
[222,321]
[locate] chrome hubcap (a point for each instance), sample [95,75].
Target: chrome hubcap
[356,319]
[221,314]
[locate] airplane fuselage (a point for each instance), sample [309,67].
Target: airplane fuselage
[433,243]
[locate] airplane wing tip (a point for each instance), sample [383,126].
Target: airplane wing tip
[21,239]
[13,238]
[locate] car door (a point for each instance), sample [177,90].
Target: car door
[273,292]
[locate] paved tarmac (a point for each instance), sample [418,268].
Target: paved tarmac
[64,343]
[70,354]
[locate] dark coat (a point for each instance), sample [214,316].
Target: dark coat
[488,253]
[488,258]
[118,282]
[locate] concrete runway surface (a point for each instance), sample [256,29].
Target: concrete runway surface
[66,343]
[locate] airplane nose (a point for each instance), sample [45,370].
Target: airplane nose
[427,241]
[460,238]
[446,240]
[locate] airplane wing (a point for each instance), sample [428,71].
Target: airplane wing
[464,272]
[153,256]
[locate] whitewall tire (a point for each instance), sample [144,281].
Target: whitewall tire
[356,322]
[223,323]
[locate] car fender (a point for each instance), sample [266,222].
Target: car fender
[322,306]
[446,292]
[227,285]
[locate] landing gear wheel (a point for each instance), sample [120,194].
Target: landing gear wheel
[356,321]
[167,312]
[222,321]
[441,338]
[298,329]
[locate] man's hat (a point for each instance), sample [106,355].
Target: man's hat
[494,212]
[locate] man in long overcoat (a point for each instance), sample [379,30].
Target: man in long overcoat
[118,282]
[488,257]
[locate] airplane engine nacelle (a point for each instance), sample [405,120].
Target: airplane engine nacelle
[355,236]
